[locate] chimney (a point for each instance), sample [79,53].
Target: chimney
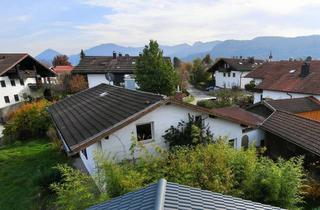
[114,55]
[82,54]
[305,69]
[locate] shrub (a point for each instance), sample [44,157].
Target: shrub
[216,167]
[189,133]
[209,104]
[250,86]
[31,120]
[77,190]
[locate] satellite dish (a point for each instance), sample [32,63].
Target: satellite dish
[109,76]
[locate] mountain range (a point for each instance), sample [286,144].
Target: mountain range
[281,48]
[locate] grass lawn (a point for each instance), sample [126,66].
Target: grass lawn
[25,172]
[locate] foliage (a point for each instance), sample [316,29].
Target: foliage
[189,99]
[184,75]
[216,167]
[277,184]
[209,104]
[250,86]
[78,83]
[26,171]
[189,133]
[176,63]
[61,60]
[199,75]
[31,120]
[76,191]
[227,97]
[153,73]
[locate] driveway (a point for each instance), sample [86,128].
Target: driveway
[199,94]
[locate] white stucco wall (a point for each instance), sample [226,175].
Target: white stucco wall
[10,90]
[231,81]
[97,79]
[280,95]
[118,143]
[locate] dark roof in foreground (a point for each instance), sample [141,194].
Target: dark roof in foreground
[295,129]
[285,76]
[103,64]
[87,114]
[237,64]
[239,115]
[296,105]
[168,196]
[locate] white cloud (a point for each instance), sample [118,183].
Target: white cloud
[21,18]
[134,22]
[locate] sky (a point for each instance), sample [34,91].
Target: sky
[70,25]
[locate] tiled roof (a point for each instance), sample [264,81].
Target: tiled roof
[103,64]
[285,76]
[295,129]
[296,105]
[62,69]
[85,115]
[237,64]
[239,115]
[168,196]
[8,60]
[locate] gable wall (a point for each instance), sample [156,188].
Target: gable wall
[118,144]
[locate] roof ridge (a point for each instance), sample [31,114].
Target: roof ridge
[161,191]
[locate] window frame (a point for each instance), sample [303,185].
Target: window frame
[21,82]
[233,74]
[3,83]
[5,99]
[16,97]
[234,142]
[13,82]
[152,131]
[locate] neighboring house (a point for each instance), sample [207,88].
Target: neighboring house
[168,196]
[106,118]
[291,127]
[286,79]
[21,75]
[62,69]
[231,72]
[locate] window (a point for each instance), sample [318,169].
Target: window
[84,152]
[6,99]
[229,74]
[234,74]
[224,74]
[21,82]
[144,132]
[231,142]
[13,83]
[16,97]
[245,142]
[3,83]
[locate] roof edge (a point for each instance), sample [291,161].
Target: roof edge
[161,192]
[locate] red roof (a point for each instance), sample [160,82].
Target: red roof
[62,69]
[285,76]
[238,115]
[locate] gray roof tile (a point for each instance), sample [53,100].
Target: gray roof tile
[178,197]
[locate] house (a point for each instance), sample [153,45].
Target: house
[62,69]
[20,76]
[231,72]
[291,127]
[106,118]
[165,195]
[286,79]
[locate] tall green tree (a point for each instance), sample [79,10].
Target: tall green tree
[153,73]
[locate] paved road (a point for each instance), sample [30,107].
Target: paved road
[198,94]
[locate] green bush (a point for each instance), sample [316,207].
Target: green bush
[189,133]
[77,190]
[250,86]
[216,167]
[31,120]
[209,104]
